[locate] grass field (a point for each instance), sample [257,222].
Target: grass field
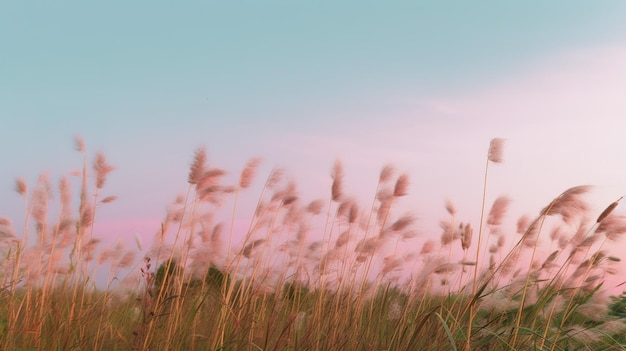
[329,274]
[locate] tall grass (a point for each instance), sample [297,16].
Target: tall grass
[321,274]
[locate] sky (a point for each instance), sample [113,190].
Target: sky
[424,85]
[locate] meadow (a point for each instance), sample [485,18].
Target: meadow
[306,274]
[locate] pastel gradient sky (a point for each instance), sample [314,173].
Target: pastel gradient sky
[423,85]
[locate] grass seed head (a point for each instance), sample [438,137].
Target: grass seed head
[337,186]
[496,150]
[248,172]
[402,186]
[498,210]
[197,166]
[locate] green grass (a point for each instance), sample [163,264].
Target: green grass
[328,274]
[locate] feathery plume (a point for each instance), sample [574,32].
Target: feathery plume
[496,150]
[607,211]
[450,208]
[342,239]
[315,207]
[249,172]
[127,260]
[445,268]
[448,234]
[20,186]
[612,226]
[522,224]
[89,248]
[556,233]
[101,168]
[6,229]
[344,207]
[466,238]
[567,202]
[66,197]
[367,246]
[409,234]
[247,250]
[391,264]
[337,175]
[386,173]
[275,177]
[548,262]
[198,166]
[403,222]
[402,186]
[109,199]
[79,143]
[428,247]
[501,241]
[498,210]
[41,195]
[353,215]
[209,178]
[384,196]
[86,216]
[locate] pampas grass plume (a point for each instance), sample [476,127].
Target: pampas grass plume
[386,173]
[108,199]
[20,186]
[197,166]
[337,175]
[498,210]
[315,207]
[496,150]
[79,143]
[248,173]
[607,211]
[466,238]
[102,168]
[402,186]
[450,208]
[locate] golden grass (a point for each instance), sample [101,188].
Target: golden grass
[326,274]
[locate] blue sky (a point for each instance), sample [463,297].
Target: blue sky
[424,85]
